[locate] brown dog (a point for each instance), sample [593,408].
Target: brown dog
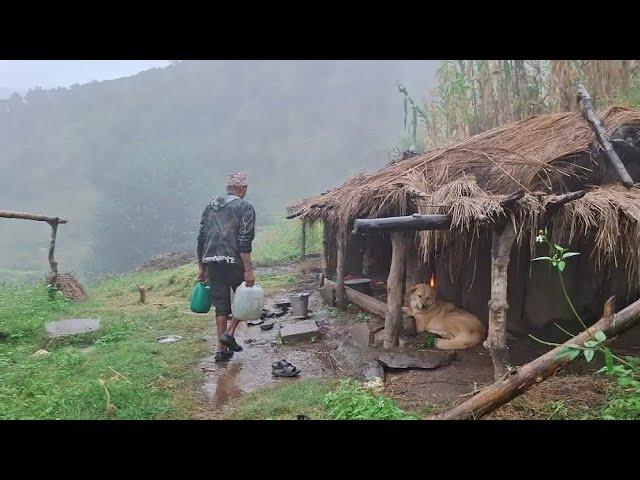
[458,329]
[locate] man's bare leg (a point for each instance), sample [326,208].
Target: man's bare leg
[221,326]
[232,327]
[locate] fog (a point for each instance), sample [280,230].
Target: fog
[132,161]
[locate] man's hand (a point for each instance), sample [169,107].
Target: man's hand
[202,274]
[249,279]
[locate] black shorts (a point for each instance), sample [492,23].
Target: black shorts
[223,277]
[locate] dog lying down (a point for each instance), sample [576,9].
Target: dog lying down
[458,329]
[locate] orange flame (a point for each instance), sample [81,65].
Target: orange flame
[432,281]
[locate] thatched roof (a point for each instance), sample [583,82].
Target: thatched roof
[541,155]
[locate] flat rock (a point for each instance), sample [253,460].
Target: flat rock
[373,370]
[424,359]
[300,330]
[361,335]
[63,328]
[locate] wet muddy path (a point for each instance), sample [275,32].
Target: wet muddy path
[328,355]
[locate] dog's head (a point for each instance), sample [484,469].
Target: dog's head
[422,297]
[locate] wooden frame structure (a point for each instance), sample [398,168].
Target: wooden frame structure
[53,223]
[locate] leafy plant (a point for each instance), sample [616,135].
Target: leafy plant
[625,370]
[350,401]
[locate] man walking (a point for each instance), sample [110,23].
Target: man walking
[227,229]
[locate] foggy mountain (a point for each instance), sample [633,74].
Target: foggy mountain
[132,162]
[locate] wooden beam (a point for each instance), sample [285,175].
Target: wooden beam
[31,216]
[367,302]
[555,201]
[393,319]
[596,123]
[303,242]
[502,242]
[402,224]
[523,378]
[341,241]
[511,199]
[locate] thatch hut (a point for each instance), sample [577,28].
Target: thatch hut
[466,217]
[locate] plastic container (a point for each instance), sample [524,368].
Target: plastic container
[201,298]
[248,302]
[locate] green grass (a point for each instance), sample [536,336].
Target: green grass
[318,399]
[118,372]
[280,243]
[285,402]
[124,364]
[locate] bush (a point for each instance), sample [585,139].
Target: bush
[350,401]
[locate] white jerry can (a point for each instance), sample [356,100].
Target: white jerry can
[248,302]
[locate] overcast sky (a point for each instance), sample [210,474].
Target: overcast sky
[24,74]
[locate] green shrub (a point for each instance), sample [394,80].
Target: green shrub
[350,401]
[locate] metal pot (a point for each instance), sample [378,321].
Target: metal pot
[299,304]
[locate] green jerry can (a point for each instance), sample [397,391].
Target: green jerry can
[201,298]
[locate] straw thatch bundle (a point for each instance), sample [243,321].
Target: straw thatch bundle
[543,155]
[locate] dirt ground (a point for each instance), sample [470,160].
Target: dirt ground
[328,355]
[334,354]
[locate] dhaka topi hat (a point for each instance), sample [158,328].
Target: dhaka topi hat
[237,179]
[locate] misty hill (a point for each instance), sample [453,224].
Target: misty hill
[131,162]
[6,92]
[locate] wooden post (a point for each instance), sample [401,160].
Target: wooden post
[303,242]
[502,241]
[52,245]
[342,253]
[325,252]
[412,270]
[393,319]
[53,223]
[143,291]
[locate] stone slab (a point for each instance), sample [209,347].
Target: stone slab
[422,359]
[300,330]
[361,335]
[373,370]
[74,326]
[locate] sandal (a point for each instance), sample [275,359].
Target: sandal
[230,342]
[288,371]
[267,326]
[281,364]
[223,356]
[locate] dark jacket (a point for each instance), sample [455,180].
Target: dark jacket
[227,228]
